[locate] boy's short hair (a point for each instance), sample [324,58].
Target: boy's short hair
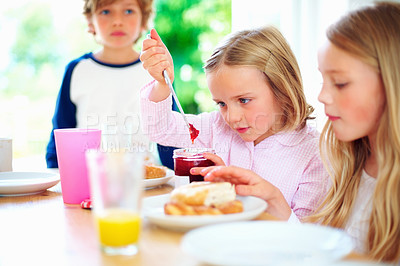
[146,7]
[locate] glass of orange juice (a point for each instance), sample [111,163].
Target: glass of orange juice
[116,186]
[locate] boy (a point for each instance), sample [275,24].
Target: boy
[101,89]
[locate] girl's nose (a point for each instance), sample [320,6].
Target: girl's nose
[234,114]
[325,96]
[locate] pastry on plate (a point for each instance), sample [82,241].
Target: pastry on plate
[203,198]
[155,171]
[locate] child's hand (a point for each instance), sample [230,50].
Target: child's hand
[210,156]
[214,158]
[248,183]
[155,58]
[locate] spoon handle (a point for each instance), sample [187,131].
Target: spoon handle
[168,81]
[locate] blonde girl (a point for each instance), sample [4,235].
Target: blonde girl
[360,66]
[261,126]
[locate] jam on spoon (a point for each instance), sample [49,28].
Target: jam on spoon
[193,132]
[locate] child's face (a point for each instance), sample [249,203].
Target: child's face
[117,25]
[245,101]
[352,93]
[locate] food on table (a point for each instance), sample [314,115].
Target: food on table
[118,227]
[155,171]
[185,159]
[203,198]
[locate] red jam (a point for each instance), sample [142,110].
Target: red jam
[193,132]
[185,159]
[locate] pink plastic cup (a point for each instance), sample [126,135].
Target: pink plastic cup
[71,145]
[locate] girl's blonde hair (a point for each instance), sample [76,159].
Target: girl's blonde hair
[371,34]
[267,50]
[146,7]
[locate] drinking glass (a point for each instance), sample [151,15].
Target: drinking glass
[71,145]
[5,155]
[116,186]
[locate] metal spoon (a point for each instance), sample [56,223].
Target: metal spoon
[193,131]
[168,81]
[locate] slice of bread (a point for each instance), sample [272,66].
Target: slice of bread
[155,171]
[203,198]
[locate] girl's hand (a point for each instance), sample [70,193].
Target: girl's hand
[155,58]
[210,156]
[248,183]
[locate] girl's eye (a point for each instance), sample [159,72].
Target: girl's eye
[221,104]
[129,11]
[105,12]
[340,85]
[243,100]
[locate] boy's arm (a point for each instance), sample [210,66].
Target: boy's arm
[166,152]
[64,115]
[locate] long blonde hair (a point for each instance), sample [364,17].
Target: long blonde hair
[267,50]
[371,34]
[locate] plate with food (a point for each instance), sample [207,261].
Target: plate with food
[267,243]
[200,203]
[156,175]
[26,183]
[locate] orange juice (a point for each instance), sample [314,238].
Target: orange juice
[118,228]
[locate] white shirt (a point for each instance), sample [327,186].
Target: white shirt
[107,97]
[358,223]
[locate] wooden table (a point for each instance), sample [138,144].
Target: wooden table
[41,230]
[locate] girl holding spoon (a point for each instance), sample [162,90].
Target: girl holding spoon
[261,124]
[360,143]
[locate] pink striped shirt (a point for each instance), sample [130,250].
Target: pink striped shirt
[288,160]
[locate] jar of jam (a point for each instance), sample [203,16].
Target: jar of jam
[185,159]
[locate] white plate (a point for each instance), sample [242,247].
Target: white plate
[153,182]
[153,209]
[26,183]
[267,243]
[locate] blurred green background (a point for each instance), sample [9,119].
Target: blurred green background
[39,37]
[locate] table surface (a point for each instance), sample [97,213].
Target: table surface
[41,230]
